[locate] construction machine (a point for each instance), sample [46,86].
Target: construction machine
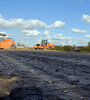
[44,45]
[6,43]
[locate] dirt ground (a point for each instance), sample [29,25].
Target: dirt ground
[44,75]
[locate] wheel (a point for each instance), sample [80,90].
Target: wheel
[39,48]
[35,48]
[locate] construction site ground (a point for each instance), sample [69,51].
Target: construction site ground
[44,75]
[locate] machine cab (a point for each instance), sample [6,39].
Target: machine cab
[44,42]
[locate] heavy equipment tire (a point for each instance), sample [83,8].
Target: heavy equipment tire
[36,48]
[13,46]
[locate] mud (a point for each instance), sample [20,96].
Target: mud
[44,75]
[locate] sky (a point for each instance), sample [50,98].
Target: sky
[61,22]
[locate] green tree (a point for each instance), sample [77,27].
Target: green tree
[89,44]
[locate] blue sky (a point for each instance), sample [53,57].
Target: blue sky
[65,22]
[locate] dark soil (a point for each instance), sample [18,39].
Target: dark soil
[44,75]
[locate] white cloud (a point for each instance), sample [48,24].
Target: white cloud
[31,33]
[79,31]
[56,37]
[48,37]
[53,37]
[27,37]
[66,38]
[86,18]
[12,23]
[32,24]
[27,24]
[21,24]
[81,41]
[46,32]
[58,24]
[87,36]
[59,39]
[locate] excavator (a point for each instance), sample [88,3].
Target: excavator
[6,43]
[44,45]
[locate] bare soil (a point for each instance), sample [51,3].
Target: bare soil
[44,75]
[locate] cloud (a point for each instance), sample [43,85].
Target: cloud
[27,24]
[86,18]
[32,24]
[21,24]
[52,37]
[87,36]
[47,37]
[62,41]
[56,37]
[66,38]
[79,31]
[46,32]
[31,33]
[81,41]
[58,24]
